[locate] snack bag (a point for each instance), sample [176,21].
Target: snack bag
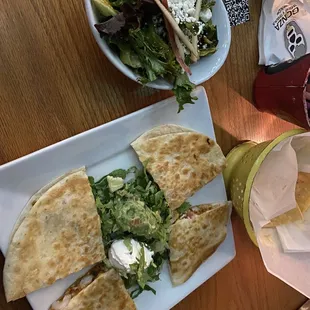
[284,30]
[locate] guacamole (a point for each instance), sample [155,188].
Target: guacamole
[134,217]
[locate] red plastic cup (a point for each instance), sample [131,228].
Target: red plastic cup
[282,90]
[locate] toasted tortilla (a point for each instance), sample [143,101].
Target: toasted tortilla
[285,218]
[195,237]
[302,196]
[302,191]
[180,160]
[96,290]
[57,233]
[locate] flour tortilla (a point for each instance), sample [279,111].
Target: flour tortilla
[195,238]
[180,160]
[58,233]
[302,191]
[96,290]
[302,196]
[285,218]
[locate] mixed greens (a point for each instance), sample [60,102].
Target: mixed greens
[145,38]
[135,210]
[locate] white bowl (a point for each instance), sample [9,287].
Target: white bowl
[203,70]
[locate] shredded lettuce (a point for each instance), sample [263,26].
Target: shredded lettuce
[140,211]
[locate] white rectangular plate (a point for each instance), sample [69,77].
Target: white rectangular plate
[103,149]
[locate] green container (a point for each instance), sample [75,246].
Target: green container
[243,162]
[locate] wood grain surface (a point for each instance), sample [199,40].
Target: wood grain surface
[55,83]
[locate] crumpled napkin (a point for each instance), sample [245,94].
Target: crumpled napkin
[281,194]
[274,192]
[294,237]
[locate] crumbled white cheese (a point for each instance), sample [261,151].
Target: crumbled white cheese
[182,11]
[200,25]
[205,15]
[191,11]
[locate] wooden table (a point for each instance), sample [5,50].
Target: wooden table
[55,83]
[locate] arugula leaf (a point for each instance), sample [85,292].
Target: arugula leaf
[207,4]
[154,53]
[182,90]
[129,57]
[208,39]
[207,51]
[185,206]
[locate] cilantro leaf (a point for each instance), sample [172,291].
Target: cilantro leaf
[185,206]
[119,173]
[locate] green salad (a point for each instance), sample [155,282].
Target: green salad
[159,39]
[134,213]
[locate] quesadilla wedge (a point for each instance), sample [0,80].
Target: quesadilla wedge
[58,233]
[98,290]
[285,218]
[302,191]
[302,196]
[195,237]
[180,160]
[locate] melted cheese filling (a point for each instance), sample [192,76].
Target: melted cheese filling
[75,289]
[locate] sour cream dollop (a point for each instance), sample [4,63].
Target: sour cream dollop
[121,257]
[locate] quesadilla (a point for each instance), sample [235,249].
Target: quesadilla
[302,191]
[302,196]
[195,237]
[58,233]
[285,218]
[180,160]
[96,290]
